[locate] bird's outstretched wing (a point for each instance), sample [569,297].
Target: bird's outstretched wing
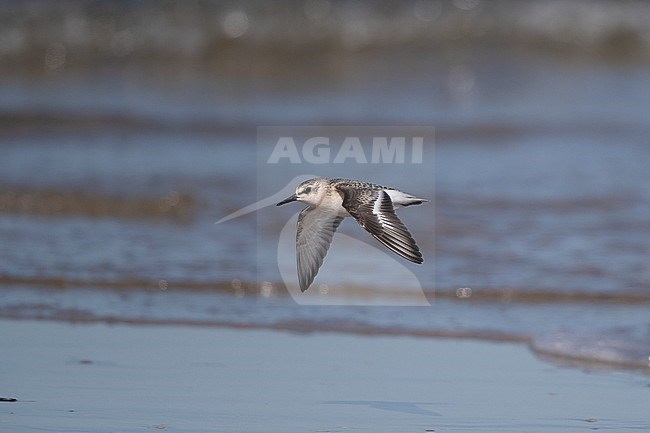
[373,209]
[313,238]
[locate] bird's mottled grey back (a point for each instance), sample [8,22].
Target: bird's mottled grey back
[356,184]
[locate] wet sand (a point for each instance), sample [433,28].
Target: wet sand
[103,378]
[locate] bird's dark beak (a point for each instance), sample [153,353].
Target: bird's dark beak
[289,199]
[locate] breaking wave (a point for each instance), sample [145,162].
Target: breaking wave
[242,305]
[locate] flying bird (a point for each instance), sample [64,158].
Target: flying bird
[329,201]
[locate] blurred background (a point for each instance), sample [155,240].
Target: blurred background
[127,128]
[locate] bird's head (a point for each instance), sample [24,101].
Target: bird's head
[310,192]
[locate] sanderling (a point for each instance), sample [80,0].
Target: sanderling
[331,200]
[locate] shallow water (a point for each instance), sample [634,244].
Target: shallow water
[114,171]
[101,378]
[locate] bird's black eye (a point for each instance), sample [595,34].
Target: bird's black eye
[306,190]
